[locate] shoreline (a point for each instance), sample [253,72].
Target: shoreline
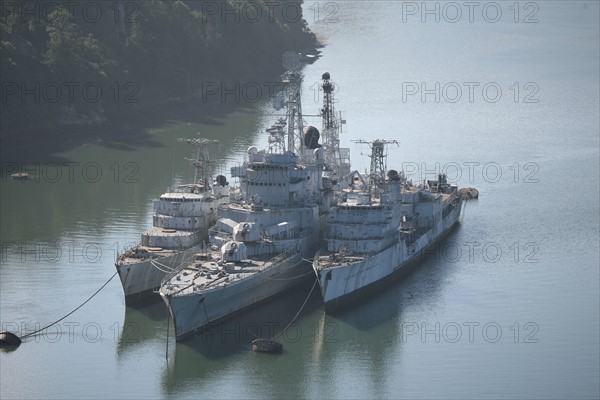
[126,126]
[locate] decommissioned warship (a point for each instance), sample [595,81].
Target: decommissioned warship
[270,229]
[381,226]
[181,220]
[300,203]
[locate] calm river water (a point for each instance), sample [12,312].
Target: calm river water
[502,96]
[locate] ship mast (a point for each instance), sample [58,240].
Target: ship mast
[292,80]
[328,112]
[331,127]
[277,136]
[378,167]
[202,159]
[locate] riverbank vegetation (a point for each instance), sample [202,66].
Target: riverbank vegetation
[88,63]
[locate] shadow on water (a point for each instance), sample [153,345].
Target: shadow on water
[142,325]
[222,343]
[316,345]
[419,285]
[369,332]
[126,134]
[266,320]
[105,187]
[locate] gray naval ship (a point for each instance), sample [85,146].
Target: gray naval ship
[270,228]
[380,228]
[181,220]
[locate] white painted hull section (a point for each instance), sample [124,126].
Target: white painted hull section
[141,279]
[193,312]
[343,281]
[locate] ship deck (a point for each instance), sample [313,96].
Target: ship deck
[447,198]
[209,274]
[336,260]
[143,253]
[166,232]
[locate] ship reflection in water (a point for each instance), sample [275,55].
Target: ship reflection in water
[321,344]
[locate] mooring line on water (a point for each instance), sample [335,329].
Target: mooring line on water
[81,305]
[167,350]
[204,307]
[293,277]
[252,332]
[462,214]
[299,311]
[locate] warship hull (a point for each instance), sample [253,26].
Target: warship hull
[194,312]
[343,284]
[141,280]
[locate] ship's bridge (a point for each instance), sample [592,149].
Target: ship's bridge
[255,156]
[277,179]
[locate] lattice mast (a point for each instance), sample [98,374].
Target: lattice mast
[202,159]
[277,136]
[328,111]
[331,127]
[292,80]
[378,165]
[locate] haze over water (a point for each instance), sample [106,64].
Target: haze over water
[506,307]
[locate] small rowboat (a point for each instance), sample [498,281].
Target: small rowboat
[20,176]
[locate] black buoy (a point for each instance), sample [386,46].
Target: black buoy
[261,345]
[9,339]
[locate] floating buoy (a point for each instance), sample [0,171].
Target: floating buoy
[469,193]
[261,345]
[9,339]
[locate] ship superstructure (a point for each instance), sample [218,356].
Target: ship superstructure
[180,222]
[380,228]
[264,235]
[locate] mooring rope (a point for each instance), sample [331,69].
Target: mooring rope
[167,349]
[293,277]
[299,311]
[81,305]
[464,210]
[156,264]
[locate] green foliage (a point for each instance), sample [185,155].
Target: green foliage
[71,53]
[167,48]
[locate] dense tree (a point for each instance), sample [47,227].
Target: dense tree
[166,48]
[70,53]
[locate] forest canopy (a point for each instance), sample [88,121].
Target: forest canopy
[87,62]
